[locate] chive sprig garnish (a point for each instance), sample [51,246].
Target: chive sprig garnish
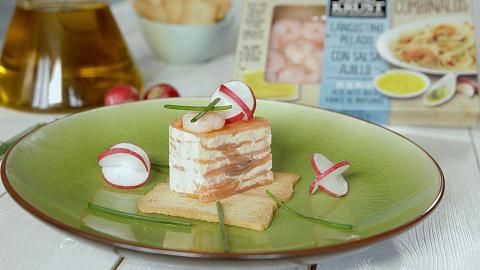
[159,167]
[197,108]
[203,110]
[221,222]
[334,225]
[117,213]
[210,106]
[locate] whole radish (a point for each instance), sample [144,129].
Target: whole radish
[121,93]
[162,90]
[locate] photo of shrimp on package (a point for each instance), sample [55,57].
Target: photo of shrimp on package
[280,48]
[388,62]
[295,47]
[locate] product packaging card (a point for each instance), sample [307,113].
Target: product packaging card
[389,62]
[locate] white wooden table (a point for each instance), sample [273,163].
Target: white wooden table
[447,239]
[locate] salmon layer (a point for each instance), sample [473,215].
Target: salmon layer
[222,163]
[231,187]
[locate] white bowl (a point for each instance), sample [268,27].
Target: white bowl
[422,76]
[184,43]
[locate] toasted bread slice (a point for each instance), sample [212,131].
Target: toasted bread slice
[282,186]
[251,209]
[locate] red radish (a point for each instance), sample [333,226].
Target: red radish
[467,86]
[125,166]
[329,176]
[471,82]
[336,169]
[466,89]
[121,93]
[240,96]
[162,90]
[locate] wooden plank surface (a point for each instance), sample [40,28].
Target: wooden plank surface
[2,188]
[27,243]
[130,263]
[137,261]
[475,135]
[447,239]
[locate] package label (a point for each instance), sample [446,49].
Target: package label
[352,60]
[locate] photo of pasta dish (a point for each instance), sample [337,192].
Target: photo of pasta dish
[447,46]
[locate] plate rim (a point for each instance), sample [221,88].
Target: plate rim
[382,45]
[282,254]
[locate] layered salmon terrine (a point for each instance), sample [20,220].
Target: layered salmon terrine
[217,164]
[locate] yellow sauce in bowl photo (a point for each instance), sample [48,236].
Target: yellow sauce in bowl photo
[402,83]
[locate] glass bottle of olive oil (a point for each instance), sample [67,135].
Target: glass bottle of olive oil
[62,56]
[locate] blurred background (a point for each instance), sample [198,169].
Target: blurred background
[6,9]
[67,62]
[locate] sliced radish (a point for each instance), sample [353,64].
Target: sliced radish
[466,89]
[124,165]
[123,177]
[240,96]
[329,176]
[115,157]
[333,171]
[471,82]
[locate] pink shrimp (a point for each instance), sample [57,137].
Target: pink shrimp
[314,31]
[419,54]
[315,61]
[211,121]
[274,42]
[285,31]
[444,30]
[291,75]
[271,76]
[296,52]
[275,61]
[313,77]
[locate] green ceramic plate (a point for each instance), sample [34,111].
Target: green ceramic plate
[53,173]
